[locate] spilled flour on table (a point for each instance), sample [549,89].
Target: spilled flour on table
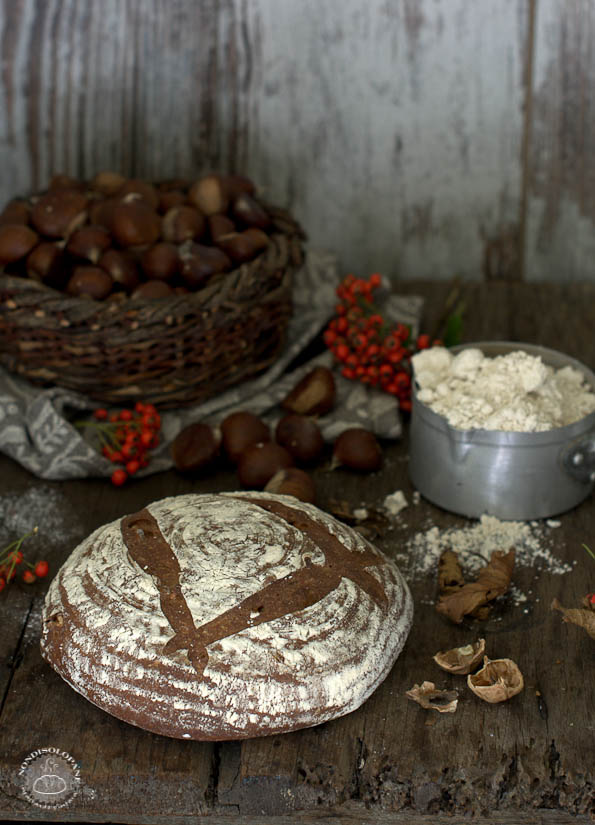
[474,545]
[43,507]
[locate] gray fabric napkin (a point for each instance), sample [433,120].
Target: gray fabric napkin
[36,428]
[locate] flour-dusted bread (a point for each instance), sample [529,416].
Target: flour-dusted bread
[226,616]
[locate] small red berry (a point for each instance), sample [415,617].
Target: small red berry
[405,404]
[375,279]
[17,556]
[2,583]
[423,341]
[126,415]
[132,467]
[100,414]
[591,598]
[29,577]
[139,407]
[146,438]
[41,569]
[119,477]
[342,352]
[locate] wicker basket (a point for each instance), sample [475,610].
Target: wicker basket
[171,352]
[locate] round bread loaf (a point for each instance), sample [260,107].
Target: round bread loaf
[226,616]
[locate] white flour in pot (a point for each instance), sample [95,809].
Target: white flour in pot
[515,392]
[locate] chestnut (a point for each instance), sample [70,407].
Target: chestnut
[240,246]
[169,199]
[134,223]
[141,189]
[208,193]
[15,212]
[90,282]
[259,463]
[301,436]
[199,263]
[16,241]
[89,242]
[313,395]
[122,268]
[108,183]
[220,226]
[235,185]
[195,447]
[260,240]
[249,212]
[240,430]
[59,212]
[293,482]
[182,223]
[101,212]
[160,261]
[45,263]
[152,289]
[357,449]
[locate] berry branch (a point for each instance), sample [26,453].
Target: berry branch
[11,557]
[371,349]
[125,437]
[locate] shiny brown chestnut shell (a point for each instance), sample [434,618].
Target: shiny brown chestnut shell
[16,241]
[59,212]
[196,447]
[90,282]
[240,430]
[160,261]
[357,449]
[134,223]
[259,463]
[291,481]
[301,436]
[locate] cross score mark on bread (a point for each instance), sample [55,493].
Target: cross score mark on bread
[296,591]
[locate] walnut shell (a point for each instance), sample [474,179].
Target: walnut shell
[497,681]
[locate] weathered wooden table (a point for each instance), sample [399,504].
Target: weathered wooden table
[524,761]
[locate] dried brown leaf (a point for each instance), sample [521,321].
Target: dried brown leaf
[461,660]
[493,581]
[581,616]
[497,681]
[428,696]
[450,574]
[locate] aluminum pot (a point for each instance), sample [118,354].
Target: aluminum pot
[510,475]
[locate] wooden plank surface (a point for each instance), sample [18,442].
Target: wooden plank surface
[394,131]
[389,761]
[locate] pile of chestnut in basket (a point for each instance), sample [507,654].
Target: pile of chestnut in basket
[268,460]
[113,237]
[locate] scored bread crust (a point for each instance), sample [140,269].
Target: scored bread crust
[226,616]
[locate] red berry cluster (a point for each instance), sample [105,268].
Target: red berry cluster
[11,558]
[371,349]
[126,437]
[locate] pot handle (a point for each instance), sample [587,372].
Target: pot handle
[578,459]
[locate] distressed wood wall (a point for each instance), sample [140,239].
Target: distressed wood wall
[420,138]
